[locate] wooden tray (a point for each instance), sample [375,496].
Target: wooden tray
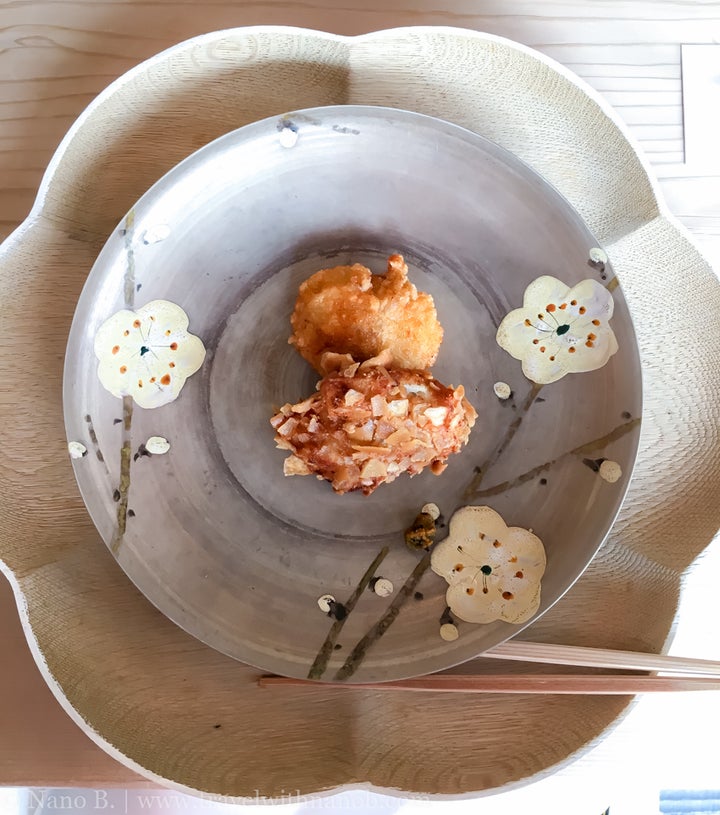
[188,717]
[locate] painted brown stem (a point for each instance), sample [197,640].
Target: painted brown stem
[319,666]
[473,486]
[589,447]
[126,449]
[353,662]
[124,485]
[129,285]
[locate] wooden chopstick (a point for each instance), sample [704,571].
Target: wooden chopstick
[600,658]
[517,683]
[706,674]
[691,674]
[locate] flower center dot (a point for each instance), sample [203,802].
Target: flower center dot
[486,569]
[143,350]
[562,329]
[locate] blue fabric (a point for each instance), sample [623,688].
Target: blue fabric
[690,802]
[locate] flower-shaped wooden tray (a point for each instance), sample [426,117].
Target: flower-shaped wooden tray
[185,715]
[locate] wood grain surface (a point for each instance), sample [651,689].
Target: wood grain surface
[54,59]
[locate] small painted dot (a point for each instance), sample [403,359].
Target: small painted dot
[140,383]
[571,349]
[541,317]
[165,380]
[542,349]
[552,359]
[513,559]
[152,318]
[596,322]
[582,310]
[172,364]
[126,333]
[502,390]
[486,569]
[157,445]
[470,590]
[563,306]
[497,544]
[123,369]
[383,587]
[76,449]
[433,510]
[591,336]
[288,137]
[153,379]
[459,567]
[115,349]
[519,575]
[449,632]
[573,302]
[535,342]
[528,323]
[173,346]
[610,471]
[136,324]
[590,344]
[550,307]
[324,602]
[508,595]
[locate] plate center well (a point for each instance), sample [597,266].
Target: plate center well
[255,371]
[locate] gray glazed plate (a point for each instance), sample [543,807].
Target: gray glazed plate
[218,539]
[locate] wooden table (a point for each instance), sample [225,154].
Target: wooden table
[56,56]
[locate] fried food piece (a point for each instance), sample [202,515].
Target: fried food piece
[348,310]
[366,426]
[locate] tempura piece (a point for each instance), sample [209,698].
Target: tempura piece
[348,310]
[367,425]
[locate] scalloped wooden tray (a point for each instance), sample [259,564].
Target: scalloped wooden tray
[186,716]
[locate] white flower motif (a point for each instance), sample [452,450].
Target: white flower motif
[147,354]
[493,570]
[560,330]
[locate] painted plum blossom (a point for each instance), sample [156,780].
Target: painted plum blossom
[493,571]
[148,353]
[560,330]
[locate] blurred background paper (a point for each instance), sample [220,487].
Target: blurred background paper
[701,106]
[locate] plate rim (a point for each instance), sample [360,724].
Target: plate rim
[237,139]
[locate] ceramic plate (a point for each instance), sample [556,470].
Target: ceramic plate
[212,532]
